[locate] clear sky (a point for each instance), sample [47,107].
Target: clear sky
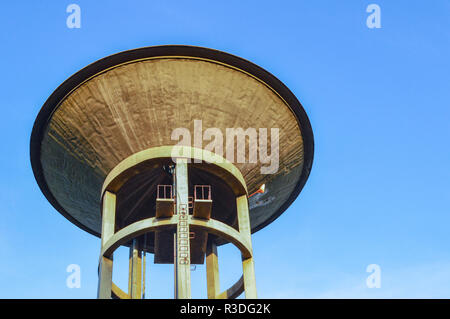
[378,101]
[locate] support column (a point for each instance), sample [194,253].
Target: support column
[135,271]
[182,260]
[212,270]
[248,265]
[106,264]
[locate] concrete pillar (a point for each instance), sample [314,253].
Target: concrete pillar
[248,265]
[182,260]
[212,270]
[135,271]
[106,263]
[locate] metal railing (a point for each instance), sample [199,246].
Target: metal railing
[164,192]
[202,192]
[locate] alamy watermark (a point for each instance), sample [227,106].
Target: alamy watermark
[73,21]
[256,141]
[373,21]
[374,279]
[74,279]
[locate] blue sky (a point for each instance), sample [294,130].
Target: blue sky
[378,101]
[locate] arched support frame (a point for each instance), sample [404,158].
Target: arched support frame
[112,240]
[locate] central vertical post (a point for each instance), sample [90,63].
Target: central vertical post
[182,258]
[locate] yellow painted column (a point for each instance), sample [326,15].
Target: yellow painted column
[212,270]
[106,264]
[182,260]
[248,265]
